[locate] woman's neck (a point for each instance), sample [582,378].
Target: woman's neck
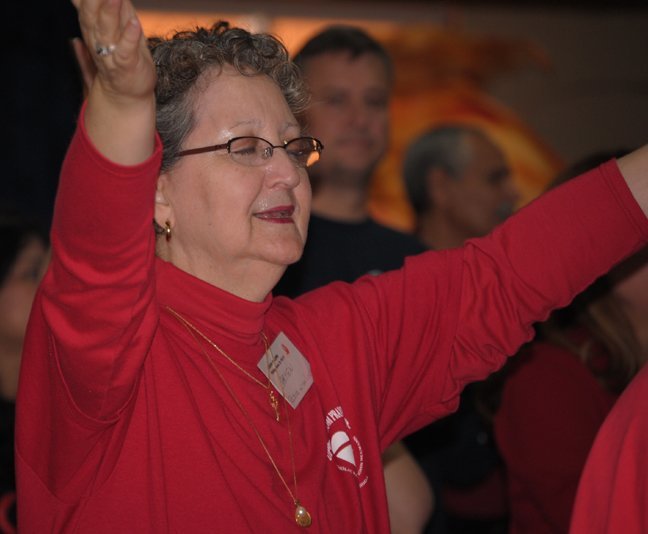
[344,204]
[252,280]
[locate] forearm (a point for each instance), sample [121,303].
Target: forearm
[569,237]
[539,260]
[123,130]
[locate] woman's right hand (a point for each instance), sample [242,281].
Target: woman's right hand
[120,114]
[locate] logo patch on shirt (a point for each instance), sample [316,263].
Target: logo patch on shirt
[343,447]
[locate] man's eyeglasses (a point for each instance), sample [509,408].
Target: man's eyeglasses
[256,151]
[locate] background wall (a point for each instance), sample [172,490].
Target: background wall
[594,94]
[588,92]
[40,98]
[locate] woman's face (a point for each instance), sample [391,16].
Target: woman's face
[18,290]
[233,225]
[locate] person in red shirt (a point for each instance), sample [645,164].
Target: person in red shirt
[612,494]
[556,395]
[164,389]
[559,390]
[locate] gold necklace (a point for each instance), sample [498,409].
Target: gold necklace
[271,395]
[302,516]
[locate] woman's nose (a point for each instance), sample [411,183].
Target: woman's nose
[283,171]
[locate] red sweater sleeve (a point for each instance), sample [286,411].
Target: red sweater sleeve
[420,334]
[96,298]
[535,262]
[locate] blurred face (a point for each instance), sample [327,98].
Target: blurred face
[230,221]
[484,194]
[349,113]
[18,290]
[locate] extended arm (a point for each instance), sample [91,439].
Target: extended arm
[96,299]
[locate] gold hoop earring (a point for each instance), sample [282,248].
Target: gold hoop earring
[167,230]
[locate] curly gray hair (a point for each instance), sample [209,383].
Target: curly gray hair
[182,59]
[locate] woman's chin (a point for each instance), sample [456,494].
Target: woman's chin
[285,255]
[292,258]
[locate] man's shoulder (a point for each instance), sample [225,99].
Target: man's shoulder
[368,230]
[395,236]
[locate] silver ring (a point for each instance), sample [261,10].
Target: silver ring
[103,51]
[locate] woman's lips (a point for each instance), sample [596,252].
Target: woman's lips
[278,214]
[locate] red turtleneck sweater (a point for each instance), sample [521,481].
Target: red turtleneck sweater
[124,426]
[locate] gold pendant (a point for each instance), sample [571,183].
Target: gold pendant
[302,517]
[274,403]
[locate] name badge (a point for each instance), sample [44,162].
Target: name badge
[288,370]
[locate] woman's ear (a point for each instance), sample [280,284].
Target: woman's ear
[437,187]
[163,213]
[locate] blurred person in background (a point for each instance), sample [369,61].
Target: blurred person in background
[558,391]
[613,490]
[460,186]
[23,256]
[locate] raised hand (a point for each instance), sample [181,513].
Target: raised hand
[120,115]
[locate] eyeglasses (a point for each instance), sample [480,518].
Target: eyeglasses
[256,151]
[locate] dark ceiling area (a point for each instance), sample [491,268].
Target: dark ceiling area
[581,4]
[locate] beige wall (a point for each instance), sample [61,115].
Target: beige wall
[596,94]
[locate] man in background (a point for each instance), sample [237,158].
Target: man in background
[349,76]
[459,184]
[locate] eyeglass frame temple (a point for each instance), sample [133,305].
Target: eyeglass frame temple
[211,148]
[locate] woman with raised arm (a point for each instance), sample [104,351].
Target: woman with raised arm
[163,389]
